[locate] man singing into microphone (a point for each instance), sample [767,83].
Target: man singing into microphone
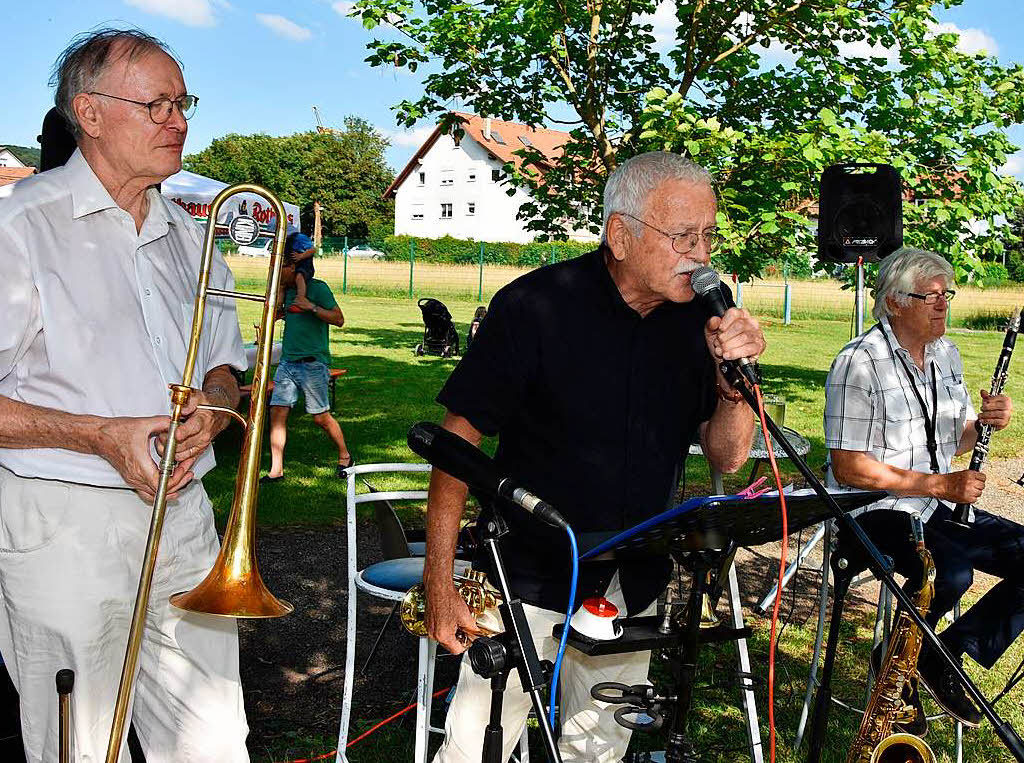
[595,374]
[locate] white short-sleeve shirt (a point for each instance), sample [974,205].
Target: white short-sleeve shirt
[96,315]
[870,406]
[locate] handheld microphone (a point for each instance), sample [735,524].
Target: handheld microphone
[452,454]
[708,287]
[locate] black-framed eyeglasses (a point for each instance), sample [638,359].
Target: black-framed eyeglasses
[160,109]
[684,243]
[933,296]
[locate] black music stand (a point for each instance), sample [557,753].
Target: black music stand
[703,530]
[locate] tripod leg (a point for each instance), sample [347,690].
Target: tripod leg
[746,684]
[819,635]
[679,748]
[823,700]
[493,732]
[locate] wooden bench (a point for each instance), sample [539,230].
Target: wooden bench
[333,374]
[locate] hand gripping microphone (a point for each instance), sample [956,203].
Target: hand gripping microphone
[708,287]
[450,453]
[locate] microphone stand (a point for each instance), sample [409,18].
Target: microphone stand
[880,568]
[494,657]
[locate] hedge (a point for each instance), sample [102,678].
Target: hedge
[458,251]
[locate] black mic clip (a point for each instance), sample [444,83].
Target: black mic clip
[742,377]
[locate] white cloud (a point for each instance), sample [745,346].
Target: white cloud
[284,27]
[972,41]
[664,22]
[189,12]
[343,7]
[413,138]
[1014,164]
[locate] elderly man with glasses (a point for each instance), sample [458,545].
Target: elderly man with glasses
[97,279]
[595,374]
[896,413]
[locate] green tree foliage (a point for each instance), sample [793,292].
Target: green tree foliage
[765,94]
[345,171]
[1013,241]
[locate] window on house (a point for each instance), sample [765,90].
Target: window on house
[496,137]
[417,211]
[423,178]
[495,176]
[471,208]
[471,177]
[447,177]
[525,141]
[446,211]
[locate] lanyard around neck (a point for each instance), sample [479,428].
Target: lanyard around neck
[930,422]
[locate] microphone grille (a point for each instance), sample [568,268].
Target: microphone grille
[704,279]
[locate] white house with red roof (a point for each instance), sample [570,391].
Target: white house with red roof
[12,169]
[457,187]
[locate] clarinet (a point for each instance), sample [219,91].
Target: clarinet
[963,513]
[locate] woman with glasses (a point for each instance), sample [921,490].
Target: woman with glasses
[896,413]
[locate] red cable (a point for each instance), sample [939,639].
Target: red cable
[367,733]
[782,566]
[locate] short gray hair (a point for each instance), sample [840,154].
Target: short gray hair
[632,181]
[87,59]
[900,273]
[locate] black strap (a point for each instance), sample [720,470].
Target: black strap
[929,422]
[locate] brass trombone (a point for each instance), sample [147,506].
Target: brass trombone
[233,588]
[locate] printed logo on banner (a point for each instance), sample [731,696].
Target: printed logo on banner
[243,230]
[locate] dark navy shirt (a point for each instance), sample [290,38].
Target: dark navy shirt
[594,408]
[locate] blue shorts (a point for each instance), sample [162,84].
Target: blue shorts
[311,377]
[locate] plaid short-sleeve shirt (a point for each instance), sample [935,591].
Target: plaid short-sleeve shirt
[870,406]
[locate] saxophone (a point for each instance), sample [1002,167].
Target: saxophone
[875,740]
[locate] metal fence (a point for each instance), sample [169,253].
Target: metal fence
[361,272]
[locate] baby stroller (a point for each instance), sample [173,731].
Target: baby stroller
[439,334]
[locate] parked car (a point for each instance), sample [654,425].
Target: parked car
[257,249]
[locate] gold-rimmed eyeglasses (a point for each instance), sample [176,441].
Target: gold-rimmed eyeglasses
[684,243]
[933,296]
[160,109]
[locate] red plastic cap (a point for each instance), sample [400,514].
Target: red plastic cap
[600,606]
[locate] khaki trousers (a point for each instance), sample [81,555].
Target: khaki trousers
[70,557]
[589,730]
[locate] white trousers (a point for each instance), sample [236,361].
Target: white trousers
[70,558]
[589,730]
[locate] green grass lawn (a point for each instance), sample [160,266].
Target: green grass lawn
[387,389]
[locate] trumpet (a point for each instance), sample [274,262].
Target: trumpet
[481,598]
[233,588]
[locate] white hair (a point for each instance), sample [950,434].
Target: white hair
[632,181]
[901,272]
[87,59]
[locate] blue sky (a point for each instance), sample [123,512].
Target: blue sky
[261,65]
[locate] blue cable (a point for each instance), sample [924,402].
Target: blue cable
[565,627]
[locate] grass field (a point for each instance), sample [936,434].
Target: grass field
[387,388]
[809,299]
